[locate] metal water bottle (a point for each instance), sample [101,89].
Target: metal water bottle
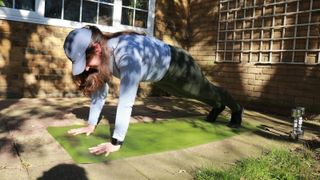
[295,115]
[300,120]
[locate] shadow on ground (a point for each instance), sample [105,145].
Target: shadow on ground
[25,117]
[153,109]
[64,172]
[278,125]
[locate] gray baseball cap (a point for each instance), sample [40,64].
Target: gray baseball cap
[75,46]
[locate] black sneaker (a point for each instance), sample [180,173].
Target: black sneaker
[214,113]
[236,118]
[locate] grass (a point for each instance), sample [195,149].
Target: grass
[145,138]
[277,164]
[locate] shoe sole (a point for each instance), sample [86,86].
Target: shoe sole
[234,126]
[237,125]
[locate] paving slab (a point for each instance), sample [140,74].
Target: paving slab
[10,162]
[54,170]
[182,164]
[27,150]
[224,153]
[119,169]
[166,165]
[41,149]
[8,154]
[13,173]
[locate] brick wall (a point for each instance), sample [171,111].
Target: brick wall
[33,64]
[276,87]
[172,22]
[32,61]
[171,26]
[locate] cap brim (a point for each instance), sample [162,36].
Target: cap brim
[79,65]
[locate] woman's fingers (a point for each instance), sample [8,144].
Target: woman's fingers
[80,131]
[98,150]
[76,131]
[100,146]
[73,131]
[104,148]
[87,130]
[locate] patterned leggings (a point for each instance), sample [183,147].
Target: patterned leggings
[184,78]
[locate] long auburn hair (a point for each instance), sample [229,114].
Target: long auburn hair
[90,81]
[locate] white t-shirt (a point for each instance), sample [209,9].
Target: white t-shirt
[134,58]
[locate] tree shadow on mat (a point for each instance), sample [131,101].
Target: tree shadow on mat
[65,172]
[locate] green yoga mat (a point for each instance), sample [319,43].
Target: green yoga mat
[144,138]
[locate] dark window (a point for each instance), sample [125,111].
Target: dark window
[142,4]
[89,12]
[129,3]
[127,16]
[19,4]
[141,19]
[72,10]
[105,15]
[135,13]
[25,4]
[6,3]
[53,9]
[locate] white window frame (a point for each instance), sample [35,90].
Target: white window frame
[38,17]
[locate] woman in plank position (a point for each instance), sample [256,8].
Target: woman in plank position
[134,58]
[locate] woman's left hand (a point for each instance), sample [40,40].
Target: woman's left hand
[104,148]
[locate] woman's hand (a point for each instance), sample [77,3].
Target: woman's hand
[87,130]
[106,148]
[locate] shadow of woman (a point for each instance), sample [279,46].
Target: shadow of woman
[65,172]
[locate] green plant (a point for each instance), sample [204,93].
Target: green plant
[277,164]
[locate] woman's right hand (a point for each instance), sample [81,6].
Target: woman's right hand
[84,130]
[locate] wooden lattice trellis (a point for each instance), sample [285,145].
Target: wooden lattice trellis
[269,31]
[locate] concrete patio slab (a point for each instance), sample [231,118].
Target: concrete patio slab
[166,165]
[9,158]
[10,173]
[119,169]
[27,150]
[54,169]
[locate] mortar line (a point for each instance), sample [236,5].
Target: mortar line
[140,172]
[16,149]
